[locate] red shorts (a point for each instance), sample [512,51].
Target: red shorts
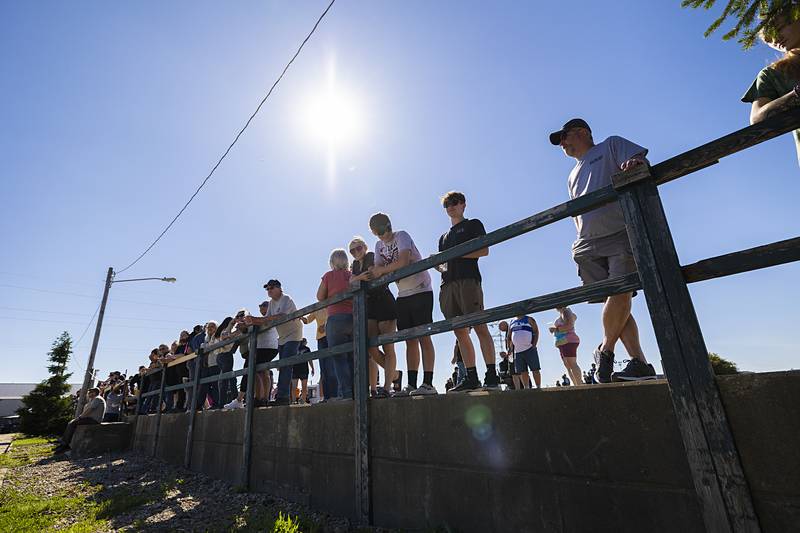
[569,350]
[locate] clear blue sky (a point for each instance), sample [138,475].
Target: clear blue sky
[113,113]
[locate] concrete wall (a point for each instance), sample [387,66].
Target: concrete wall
[600,458]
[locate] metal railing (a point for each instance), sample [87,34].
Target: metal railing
[716,471]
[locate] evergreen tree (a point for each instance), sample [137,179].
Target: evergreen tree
[752,17]
[722,366]
[48,407]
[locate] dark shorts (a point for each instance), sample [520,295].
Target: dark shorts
[604,258]
[381,306]
[300,371]
[265,355]
[569,350]
[415,310]
[529,359]
[461,297]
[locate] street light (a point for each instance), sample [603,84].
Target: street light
[88,376]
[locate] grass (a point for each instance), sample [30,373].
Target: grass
[264,519]
[28,512]
[92,507]
[27,451]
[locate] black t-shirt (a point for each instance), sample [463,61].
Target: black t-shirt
[461,268]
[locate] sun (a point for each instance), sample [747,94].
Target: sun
[332,117]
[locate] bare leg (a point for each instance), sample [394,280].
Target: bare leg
[428,354]
[525,379]
[261,386]
[537,378]
[517,381]
[574,371]
[412,354]
[293,392]
[373,375]
[616,312]
[304,385]
[630,339]
[390,361]
[486,342]
[465,346]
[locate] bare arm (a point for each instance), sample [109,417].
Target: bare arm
[483,252]
[322,291]
[535,327]
[403,259]
[763,107]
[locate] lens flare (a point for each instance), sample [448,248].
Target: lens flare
[479,419]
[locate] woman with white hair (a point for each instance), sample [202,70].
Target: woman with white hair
[381,319]
[339,328]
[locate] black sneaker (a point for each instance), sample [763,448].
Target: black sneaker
[466,386]
[635,370]
[605,365]
[280,401]
[491,382]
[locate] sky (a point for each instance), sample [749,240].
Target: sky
[114,113]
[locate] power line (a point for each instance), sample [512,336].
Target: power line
[235,140]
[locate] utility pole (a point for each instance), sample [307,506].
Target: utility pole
[89,375]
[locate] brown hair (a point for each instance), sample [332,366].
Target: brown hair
[789,65]
[453,196]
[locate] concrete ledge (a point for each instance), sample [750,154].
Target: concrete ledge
[598,458]
[89,441]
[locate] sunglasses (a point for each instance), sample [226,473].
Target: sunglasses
[356,249]
[451,203]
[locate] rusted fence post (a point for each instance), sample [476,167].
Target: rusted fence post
[361,416]
[716,470]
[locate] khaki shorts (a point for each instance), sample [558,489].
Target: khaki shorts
[604,258]
[461,297]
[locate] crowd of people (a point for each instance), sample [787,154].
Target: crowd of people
[601,251]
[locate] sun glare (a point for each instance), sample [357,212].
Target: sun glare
[332,118]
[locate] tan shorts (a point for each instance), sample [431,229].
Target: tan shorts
[461,297]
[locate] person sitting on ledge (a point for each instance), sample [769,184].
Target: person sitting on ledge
[93,413]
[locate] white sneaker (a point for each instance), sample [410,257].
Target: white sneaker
[424,390]
[407,391]
[235,404]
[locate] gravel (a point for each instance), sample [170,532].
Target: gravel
[169,498]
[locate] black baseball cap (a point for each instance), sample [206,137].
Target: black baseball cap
[555,137]
[272,283]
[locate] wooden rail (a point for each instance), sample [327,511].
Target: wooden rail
[720,484]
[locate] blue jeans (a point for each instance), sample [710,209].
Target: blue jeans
[461,371]
[327,373]
[288,349]
[226,387]
[339,330]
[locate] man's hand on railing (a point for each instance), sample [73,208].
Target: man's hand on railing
[634,161]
